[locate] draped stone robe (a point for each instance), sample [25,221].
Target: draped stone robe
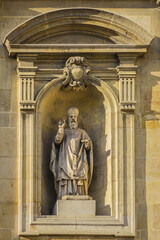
[71,163]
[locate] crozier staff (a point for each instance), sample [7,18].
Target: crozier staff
[71,157]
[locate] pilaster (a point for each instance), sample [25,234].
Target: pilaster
[127,75]
[26,71]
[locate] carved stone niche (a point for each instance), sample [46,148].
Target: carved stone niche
[102,53]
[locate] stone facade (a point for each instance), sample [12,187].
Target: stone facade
[138,117]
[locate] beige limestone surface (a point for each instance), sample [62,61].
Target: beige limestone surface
[147,123]
[75,208]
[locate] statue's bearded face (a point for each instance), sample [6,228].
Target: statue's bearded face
[73,121]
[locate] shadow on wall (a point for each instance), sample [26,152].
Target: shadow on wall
[146,112]
[92,118]
[34,7]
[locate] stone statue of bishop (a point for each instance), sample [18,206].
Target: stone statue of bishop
[71,157]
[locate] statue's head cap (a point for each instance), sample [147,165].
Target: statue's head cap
[72,110]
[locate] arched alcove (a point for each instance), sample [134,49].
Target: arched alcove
[98,108]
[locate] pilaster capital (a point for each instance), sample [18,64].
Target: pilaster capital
[26,66]
[26,71]
[124,71]
[27,106]
[127,74]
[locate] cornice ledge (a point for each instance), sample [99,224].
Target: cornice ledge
[120,30]
[41,49]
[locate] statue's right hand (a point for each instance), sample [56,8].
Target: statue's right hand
[61,123]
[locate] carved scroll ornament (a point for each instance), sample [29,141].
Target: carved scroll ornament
[76,74]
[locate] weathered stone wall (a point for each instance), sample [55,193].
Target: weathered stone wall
[145,13]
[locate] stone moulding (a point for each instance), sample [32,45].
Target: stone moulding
[41,49]
[118,29]
[28,43]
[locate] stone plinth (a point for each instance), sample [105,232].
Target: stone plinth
[75,206]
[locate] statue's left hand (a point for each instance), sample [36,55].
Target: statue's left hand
[87,143]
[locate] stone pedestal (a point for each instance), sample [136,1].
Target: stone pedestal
[75,206]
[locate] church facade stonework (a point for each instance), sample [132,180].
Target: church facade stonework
[79,120]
